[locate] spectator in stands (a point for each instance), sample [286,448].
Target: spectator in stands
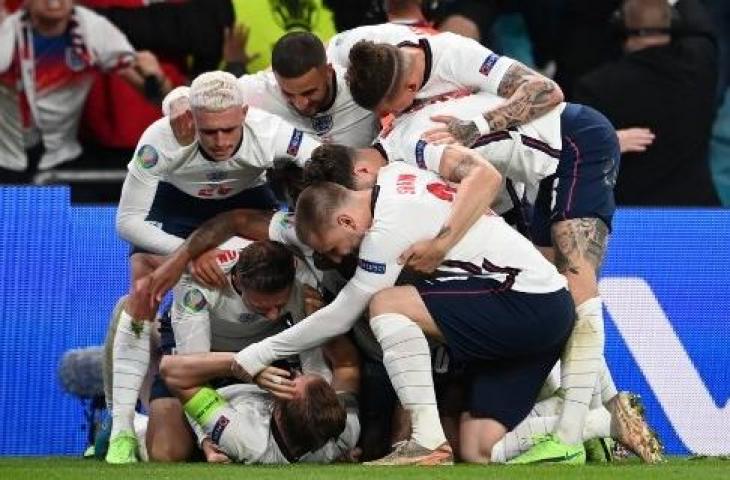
[665,82]
[49,51]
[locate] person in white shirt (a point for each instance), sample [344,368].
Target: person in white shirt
[312,423]
[49,53]
[303,89]
[389,67]
[170,190]
[408,205]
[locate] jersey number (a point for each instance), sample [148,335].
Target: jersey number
[213,190]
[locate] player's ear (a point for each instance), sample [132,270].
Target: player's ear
[346,221]
[244,109]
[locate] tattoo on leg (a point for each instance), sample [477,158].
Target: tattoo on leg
[579,240]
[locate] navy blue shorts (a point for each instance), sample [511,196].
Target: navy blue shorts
[582,186]
[508,340]
[180,214]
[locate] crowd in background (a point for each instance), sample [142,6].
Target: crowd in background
[74,102]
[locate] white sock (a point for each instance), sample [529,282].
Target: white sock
[607,386]
[131,360]
[108,359]
[407,359]
[521,439]
[580,363]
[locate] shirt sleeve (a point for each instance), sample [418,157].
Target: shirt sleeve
[145,170]
[474,66]
[377,269]
[293,144]
[191,316]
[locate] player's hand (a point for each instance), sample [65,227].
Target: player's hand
[634,139]
[213,453]
[148,65]
[424,256]
[313,301]
[452,131]
[206,270]
[235,40]
[161,280]
[181,121]
[276,381]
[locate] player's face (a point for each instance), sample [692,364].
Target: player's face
[400,99]
[219,133]
[270,305]
[307,94]
[50,10]
[338,241]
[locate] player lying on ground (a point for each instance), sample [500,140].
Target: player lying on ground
[264,276]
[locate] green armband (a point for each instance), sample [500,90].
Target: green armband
[204,405]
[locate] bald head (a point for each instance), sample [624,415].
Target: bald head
[647,14]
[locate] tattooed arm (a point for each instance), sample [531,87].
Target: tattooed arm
[479,182]
[529,95]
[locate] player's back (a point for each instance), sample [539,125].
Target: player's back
[527,153]
[416,203]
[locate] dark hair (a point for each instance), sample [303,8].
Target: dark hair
[296,53]
[331,162]
[310,420]
[316,207]
[372,72]
[265,266]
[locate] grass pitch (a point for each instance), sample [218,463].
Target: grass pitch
[71,468]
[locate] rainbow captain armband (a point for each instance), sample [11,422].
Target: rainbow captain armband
[204,405]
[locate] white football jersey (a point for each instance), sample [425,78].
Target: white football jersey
[412,205]
[266,137]
[525,154]
[206,319]
[249,433]
[343,121]
[453,62]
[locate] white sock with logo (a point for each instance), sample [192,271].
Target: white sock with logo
[407,359]
[130,363]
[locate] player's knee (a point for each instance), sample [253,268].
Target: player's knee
[168,371]
[472,451]
[166,448]
[385,301]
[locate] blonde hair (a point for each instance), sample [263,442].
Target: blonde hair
[215,91]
